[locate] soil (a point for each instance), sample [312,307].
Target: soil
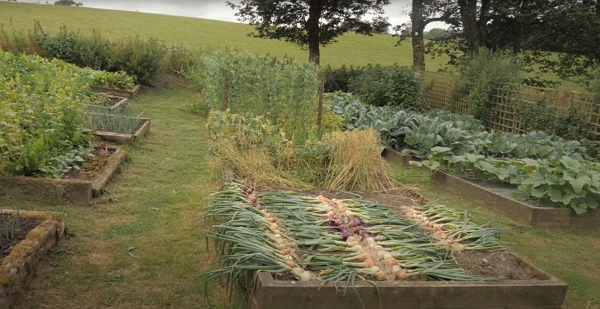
[15,234]
[88,169]
[493,264]
[488,264]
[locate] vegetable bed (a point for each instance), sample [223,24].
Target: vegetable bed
[323,252]
[500,197]
[77,187]
[141,129]
[113,102]
[126,93]
[18,268]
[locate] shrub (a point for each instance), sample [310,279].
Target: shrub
[487,70]
[179,58]
[140,58]
[339,79]
[17,41]
[91,51]
[61,46]
[387,85]
[593,86]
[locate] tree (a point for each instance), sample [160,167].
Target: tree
[64,2]
[423,13]
[435,33]
[307,23]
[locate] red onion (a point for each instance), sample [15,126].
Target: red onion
[252,198]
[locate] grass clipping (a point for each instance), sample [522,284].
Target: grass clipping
[356,163]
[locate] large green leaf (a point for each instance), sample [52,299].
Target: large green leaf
[578,206]
[539,191]
[578,182]
[535,179]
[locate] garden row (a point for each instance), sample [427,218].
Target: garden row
[328,244]
[48,118]
[415,134]
[268,128]
[546,170]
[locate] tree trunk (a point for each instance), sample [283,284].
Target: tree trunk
[418,26]
[313,31]
[520,20]
[484,17]
[468,16]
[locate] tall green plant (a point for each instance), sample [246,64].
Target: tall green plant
[284,90]
[387,85]
[41,115]
[489,69]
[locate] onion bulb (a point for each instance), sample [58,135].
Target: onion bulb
[301,274]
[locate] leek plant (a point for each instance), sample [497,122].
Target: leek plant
[124,120]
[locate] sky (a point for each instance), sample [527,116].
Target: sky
[217,9]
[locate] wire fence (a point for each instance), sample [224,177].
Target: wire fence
[449,92]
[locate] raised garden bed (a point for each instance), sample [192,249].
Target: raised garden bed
[73,190]
[113,102]
[395,157]
[298,220]
[544,291]
[18,267]
[141,130]
[130,94]
[500,198]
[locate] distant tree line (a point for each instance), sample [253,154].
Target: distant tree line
[530,28]
[64,2]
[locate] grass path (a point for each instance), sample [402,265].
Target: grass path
[151,212]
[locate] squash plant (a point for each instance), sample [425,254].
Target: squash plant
[563,182]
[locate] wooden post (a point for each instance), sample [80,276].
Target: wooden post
[320,110]
[514,112]
[572,97]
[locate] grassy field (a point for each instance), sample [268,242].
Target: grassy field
[194,32]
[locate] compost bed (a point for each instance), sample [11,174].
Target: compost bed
[72,188]
[500,197]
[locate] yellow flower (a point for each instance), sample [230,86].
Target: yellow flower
[534,171]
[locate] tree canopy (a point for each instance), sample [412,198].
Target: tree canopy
[64,2]
[309,23]
[530,28]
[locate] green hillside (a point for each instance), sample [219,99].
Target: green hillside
[194,32]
